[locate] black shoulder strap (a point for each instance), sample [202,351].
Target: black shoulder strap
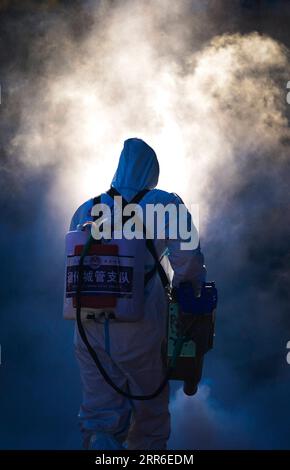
[158,266]
[97,200]
[149,242]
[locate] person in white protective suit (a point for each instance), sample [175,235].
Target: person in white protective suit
[132,352]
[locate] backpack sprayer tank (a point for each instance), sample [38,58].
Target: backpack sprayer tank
[112,277]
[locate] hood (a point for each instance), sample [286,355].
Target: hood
[138,168]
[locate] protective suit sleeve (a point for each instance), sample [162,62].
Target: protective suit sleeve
[184,253]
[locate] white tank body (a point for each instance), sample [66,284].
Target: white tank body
[112,281]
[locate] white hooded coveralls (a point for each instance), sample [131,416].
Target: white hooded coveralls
[132,352]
